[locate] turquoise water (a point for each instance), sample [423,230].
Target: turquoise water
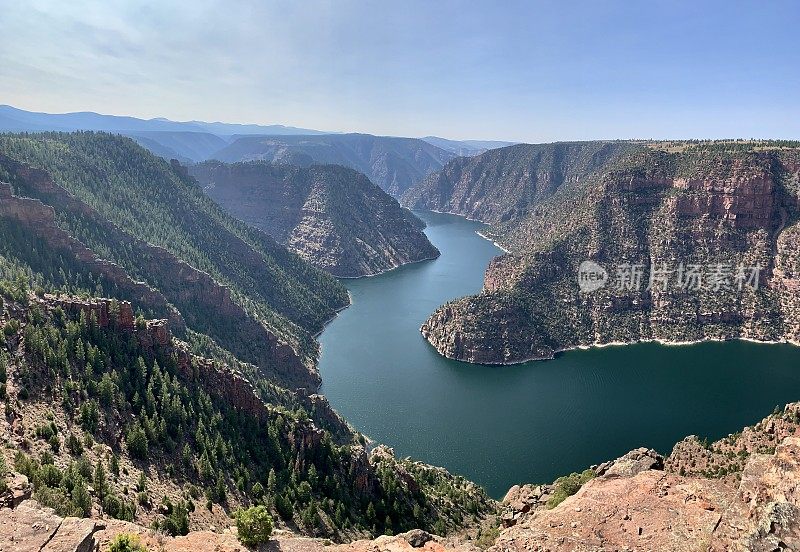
[532,422]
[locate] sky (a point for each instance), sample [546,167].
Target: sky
[533,71]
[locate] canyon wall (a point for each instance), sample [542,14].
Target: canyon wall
[731,217]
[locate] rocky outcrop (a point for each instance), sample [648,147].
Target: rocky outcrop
[522,501]
[30,527]
[630,464]
[408,542]
[226,541]
[650,511]
[18,489]
[729,215]
[638,503]
[332,216]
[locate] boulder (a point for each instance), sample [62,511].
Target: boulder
[635,461]
[19,489]
[417,538]
[31,527]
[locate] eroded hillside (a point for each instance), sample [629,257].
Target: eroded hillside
[331,216]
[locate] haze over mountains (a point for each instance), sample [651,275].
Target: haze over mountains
[393,163]
[17,120]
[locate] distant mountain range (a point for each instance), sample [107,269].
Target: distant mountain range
[18,120]
[394,163]
[466,148]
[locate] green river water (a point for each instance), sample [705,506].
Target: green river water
[528,423]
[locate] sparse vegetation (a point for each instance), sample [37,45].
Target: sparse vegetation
[253,525]
[568,485]
[125,542]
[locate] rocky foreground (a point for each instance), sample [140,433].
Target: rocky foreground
[741,493]
[30,527]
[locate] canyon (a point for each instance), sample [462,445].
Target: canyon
[600,201]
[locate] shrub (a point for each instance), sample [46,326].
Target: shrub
[125,542]
[136,439]
[177,520]
[26,465]
[253,525]
[74,445]
[3,470]
[11,327]
[49,476]
[568,485]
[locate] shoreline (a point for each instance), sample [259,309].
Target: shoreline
[484,236]
[332,318]
[451,213]
[601,345]
[388,269]
[494,243]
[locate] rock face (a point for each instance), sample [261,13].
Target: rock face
[728,214]
[634,462]
[651,511]
[32,528]
[506,183]
[332,216]
[634,504]
[394,164]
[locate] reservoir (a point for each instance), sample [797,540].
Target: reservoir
[533,422]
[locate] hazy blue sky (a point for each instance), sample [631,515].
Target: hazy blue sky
[529,71]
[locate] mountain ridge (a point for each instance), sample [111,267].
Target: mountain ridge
[159,234]
[392,163]
[332,216]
